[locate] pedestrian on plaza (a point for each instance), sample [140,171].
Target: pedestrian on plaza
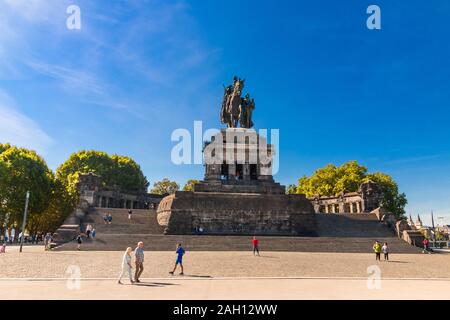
[139,260]
[377,250]
[88,231]
[3,248]
[425,246]
[47,240]
[180,253]
[79,242]
[255,243]
[129,214]
[385,250]
[126,265]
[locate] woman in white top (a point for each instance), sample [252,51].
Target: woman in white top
[126,265]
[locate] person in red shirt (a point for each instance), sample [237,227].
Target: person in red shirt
[255,243]
[425,245]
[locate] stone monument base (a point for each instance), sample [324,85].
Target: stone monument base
[237,213]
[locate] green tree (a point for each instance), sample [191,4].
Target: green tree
[331,180]
[189,186]
[349,177]
[128,174]
[291,189]
[165,186]
[115,170]
[23,170]
[393,200]
[61,205]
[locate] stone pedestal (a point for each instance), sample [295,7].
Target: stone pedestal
[234,213]
[238,194]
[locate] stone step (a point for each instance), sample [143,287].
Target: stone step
[142,221]
[118,242]
[337,233]
[354,225]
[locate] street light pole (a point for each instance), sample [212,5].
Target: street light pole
[24,220]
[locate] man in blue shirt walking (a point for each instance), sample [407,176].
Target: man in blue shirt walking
[180,252]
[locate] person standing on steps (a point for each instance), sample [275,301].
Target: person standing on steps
[255,243]
[126,265]
[180,253]
[109,218]
[93,233]
[385,250]
[129,214]
[139,256]
[79,242]
[377,249]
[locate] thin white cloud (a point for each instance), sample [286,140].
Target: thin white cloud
[18,129]
[78,80]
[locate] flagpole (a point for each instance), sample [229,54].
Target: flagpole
[24,220]
[434,229]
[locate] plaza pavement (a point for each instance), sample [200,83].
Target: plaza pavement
[35,274]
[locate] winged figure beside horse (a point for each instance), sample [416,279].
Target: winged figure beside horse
[236,109]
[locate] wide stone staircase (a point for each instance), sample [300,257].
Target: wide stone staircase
[337,233]
[350,225]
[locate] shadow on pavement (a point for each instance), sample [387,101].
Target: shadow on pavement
[154,284]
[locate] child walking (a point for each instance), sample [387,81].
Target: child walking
[180,252]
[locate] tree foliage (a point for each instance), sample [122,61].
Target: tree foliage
[331,180]
[189,186]
[120,171]
[393,200]
[291,189]
[165,186]
[22,170]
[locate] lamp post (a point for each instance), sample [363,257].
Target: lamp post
[24,220]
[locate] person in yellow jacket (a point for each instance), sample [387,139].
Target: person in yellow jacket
[377,249]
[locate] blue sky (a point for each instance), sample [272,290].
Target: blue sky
[138,70]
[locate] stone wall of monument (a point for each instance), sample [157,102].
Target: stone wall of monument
[94,194]
[365,200]
[231,213]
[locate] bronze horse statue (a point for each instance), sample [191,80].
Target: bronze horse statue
[231,102]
